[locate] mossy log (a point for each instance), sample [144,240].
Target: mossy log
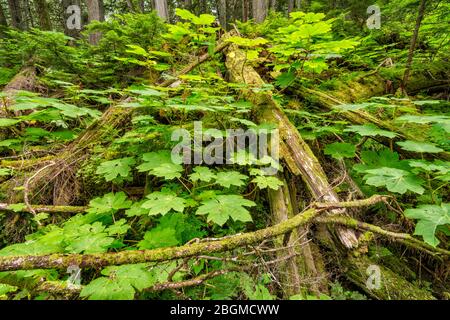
[353,92]
[391,286]
[293,149]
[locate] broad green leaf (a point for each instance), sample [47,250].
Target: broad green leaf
[422,147]
[5,122]
[110,202]
[160,164]
[115,168]
[430,217]
[223,207]
[162,203]
[267,182]
[370,130]
[230,178]
[395,180]
[202,174]
[340,150]
[121,284]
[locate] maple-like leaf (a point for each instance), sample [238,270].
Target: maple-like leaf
[430,217]
[116,168]
[163,202]
[223,207]
[395,180]
[230,178]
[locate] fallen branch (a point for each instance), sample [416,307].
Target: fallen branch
[404,238]
[63,261]
[46,209]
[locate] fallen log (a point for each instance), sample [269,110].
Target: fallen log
[293,149]
[63,261]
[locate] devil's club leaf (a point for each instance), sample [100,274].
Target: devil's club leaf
[160,164]
[421,147]
[121,283]
[223,207]
[230,178]
[430,217]
[109,203]
[370,130]
[202,174]
[162,203]
[340,150]
[395,180]
[267,182]
[115,168]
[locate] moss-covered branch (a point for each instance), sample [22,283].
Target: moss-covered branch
[63,261]
[46,209]
[404,238]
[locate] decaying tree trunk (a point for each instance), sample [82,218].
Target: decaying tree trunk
[24,80]
[299,274]
[301,161]
[293,149]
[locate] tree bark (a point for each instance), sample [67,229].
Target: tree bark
[95,13]
[3,22]
[41,7]
[293,149]
[162,9]
[412,47]
[16,12]
[222,12]
[259,10]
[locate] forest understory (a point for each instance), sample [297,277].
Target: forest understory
[134,162]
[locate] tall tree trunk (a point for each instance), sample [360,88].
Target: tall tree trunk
[245,10]
[71,18]
[290,6]
[222,12]
[41,7]
[413,44]
[259,10]
[95,13]
[162,9]
[15,9]
[3,22]
[273,5]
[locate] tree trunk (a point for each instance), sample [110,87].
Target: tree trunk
[222,12]
[290,6]
[16,12]
[245,10]
[3,22]
[293,149]
[413,44]
[162,9]
[259,10]
[95,13]
[41,7]
[71,18]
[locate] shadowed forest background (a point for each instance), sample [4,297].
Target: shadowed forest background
[356,94]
